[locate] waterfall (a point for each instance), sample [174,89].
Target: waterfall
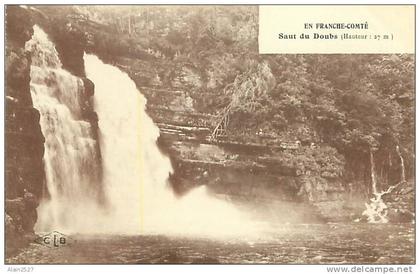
[397,148]
[132,195]
[373,173]
[70,158]
[376,211]
[135,172]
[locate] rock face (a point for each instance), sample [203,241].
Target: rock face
[25,178]
[267,174]
[270,179]
[262,171]
[401,203]
[24,140]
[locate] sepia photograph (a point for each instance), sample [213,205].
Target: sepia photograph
[177,134]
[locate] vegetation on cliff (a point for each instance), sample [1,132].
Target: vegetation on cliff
[353,103]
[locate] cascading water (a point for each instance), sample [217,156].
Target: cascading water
[373,173]
[70,157]
[377,210]
[133,196]
[397,148]
[136,172]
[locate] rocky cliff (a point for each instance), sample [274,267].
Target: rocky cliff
[297,162]
[274,179]
[24,141]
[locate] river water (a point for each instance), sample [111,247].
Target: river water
[288,244]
